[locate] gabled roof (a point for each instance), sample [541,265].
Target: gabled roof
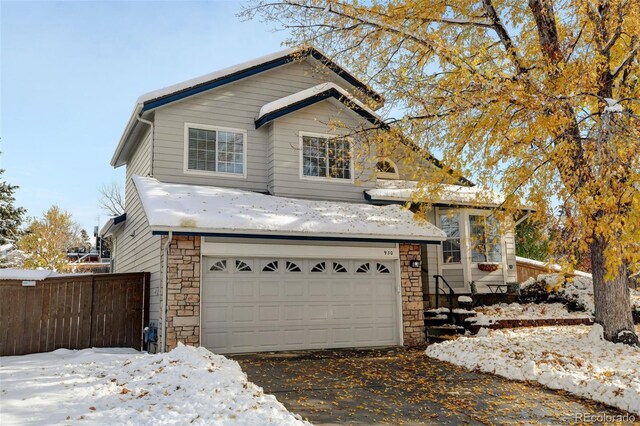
[112,225]
[209,81]
[176,92]
[210,210]
[310,96]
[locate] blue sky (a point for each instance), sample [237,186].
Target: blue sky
[71,72]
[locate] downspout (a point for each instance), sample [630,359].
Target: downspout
[165,286]
[150,124]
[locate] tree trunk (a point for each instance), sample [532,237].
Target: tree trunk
[611,298]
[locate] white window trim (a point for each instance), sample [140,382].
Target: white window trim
[466,264]
[387,175]
[460,216]
[351,180]
[189,171]
[485,213]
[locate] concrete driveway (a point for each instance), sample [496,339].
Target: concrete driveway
[402,386]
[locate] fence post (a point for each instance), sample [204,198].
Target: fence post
[91,312]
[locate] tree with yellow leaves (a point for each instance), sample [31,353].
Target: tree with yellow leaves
[537,98]
[46,241]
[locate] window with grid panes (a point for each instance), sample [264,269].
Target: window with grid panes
[215,151]
[451,252]
[326,158]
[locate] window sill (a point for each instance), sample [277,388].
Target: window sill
[327,179]
[215,174]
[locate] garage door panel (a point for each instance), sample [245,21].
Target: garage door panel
[243,289]
[242,314]
[286,304]
[293,338]
[293,288]
[341,288]
[318,336]
[269,288]
[384,311]
[384,333]
[293,312]
[219,288]
[212,313]
[318,289]
[269,313]
[318,313]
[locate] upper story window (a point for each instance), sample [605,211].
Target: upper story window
[325,157]
[451,252]
[485,239]
[386,169]
[215,150]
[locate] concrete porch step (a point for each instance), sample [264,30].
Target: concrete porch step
[444,338]
[436,321]
[443,330]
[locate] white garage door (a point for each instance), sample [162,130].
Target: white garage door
[255,304]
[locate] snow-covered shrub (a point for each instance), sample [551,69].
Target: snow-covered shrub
[553,288]
[575,293]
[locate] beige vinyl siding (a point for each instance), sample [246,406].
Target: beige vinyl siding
[429,259]
[140,252]
[455,278]
[287,180]
[510,247]
[270,156]
[233,106]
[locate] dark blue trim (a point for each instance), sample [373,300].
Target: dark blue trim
[293,237]
[345,75]
[381,202]
[203,87]
[119,219]
[389,202]
[329,93]
[248,72]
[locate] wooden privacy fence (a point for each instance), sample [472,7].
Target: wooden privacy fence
[73,312]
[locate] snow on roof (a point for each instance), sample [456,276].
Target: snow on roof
[404,190]
[179,207]
[214,75]
[551,266]
[281,103]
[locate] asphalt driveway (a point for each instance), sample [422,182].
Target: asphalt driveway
[402,386]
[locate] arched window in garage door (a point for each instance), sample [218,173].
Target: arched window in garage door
[292,267]
[219,266]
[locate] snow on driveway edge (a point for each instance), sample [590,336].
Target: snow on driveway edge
[575,359]
[121,386]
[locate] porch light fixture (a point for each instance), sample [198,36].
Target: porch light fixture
[414,263]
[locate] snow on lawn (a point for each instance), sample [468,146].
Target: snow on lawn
[575,359]
[487,315]
[121,386]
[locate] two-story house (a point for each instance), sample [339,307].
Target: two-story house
[266,227]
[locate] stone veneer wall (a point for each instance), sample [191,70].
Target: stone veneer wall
[183,298]
[412,302]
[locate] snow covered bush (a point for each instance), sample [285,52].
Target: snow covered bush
[575,293]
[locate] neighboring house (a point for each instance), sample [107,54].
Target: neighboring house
[264,230]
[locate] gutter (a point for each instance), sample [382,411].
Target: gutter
[408,239]
[165,286]
[115,160]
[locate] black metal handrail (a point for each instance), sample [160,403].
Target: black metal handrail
[451,294]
